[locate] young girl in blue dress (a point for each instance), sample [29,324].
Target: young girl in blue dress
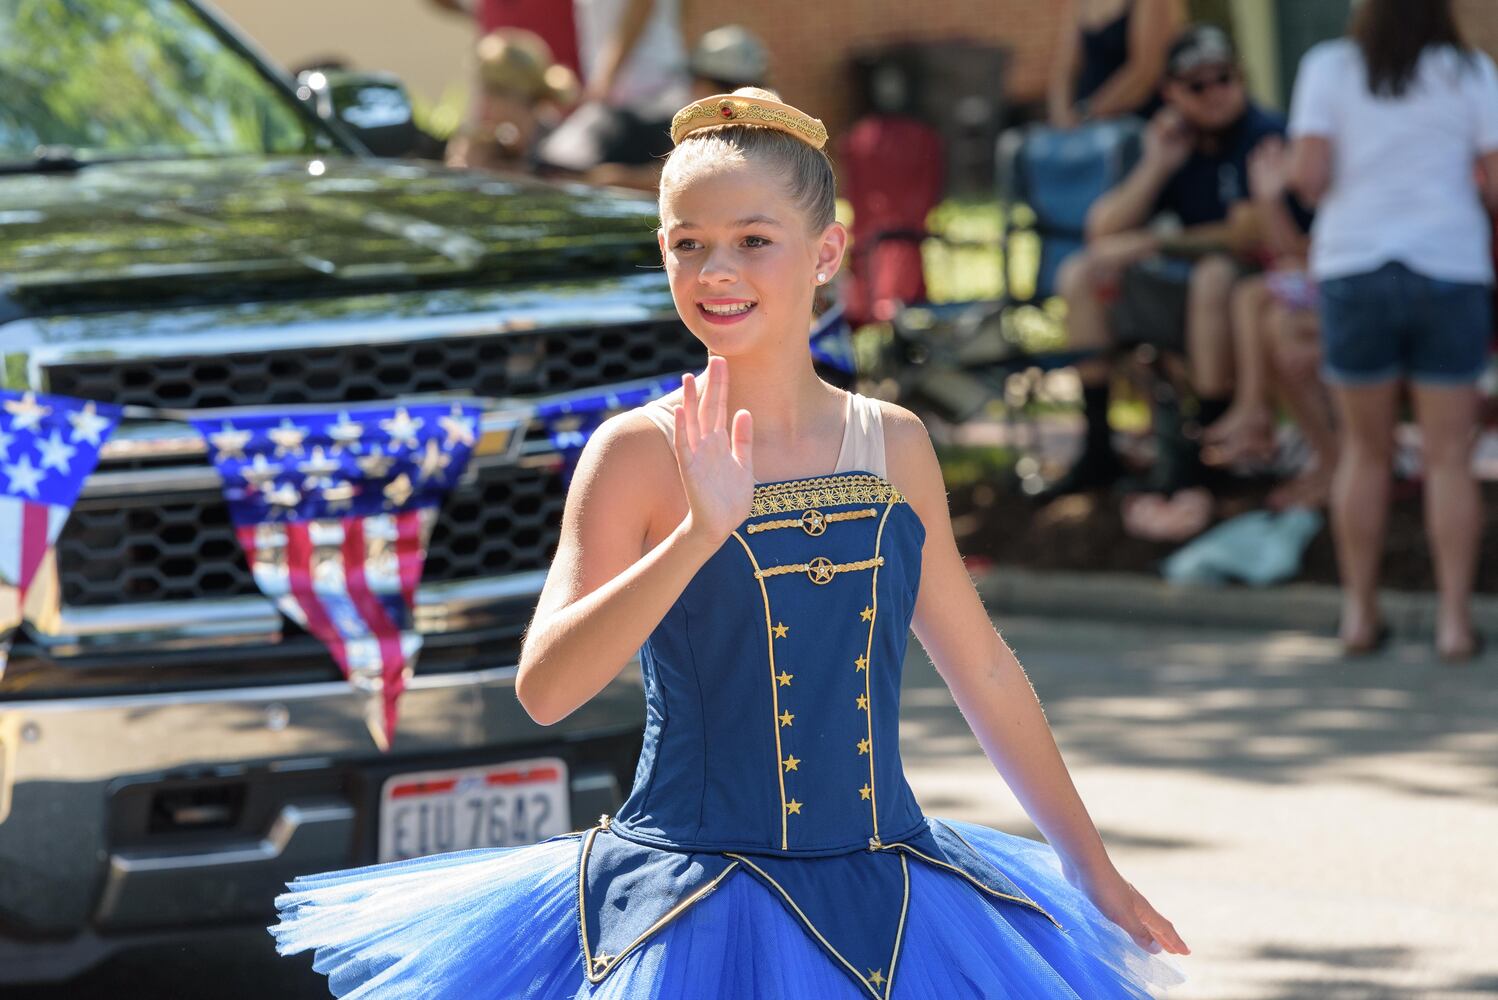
[764,542]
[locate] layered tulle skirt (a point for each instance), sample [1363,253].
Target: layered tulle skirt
[504,923]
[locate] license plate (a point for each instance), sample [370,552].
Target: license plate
[499,805]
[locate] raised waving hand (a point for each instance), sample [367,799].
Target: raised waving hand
[715,459]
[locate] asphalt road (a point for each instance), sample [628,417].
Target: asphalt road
[1315,828]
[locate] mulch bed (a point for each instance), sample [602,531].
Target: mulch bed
[1085,533]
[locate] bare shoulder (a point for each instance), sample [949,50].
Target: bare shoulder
[627,455]
[910,456]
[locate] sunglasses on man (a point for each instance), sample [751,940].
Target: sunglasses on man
[1199,85]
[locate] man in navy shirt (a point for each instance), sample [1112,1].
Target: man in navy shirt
[1169,285]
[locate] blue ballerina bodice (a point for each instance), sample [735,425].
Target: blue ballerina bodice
[772,686]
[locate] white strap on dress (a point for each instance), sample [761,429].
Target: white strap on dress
[863,434]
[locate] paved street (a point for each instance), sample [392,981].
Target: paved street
[1316,829]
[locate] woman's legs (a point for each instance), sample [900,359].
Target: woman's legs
[1360,503]
[1453,507]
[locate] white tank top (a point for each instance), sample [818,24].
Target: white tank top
[863,432]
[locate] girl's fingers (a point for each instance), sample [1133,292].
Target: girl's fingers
[683,452]
[743,439]
[715,401]
[689,402]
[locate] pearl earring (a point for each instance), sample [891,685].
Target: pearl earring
[821,277]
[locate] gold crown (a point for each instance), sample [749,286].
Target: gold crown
[736,109]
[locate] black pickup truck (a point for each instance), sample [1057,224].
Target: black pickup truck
[178,228]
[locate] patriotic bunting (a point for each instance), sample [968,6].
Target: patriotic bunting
[570,422]
[48,446]
[334,510]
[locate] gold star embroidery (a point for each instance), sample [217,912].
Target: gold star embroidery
[862,663]
[867,614]
[601,961]
[863,746]
[790,762]
[786,718]
[781,631]
[793,808]
[876,976]
[863,702]
[865,792]
[785,679]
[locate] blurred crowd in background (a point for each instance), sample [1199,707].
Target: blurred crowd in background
[1275,278]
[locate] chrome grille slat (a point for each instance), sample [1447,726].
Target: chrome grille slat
[515,363]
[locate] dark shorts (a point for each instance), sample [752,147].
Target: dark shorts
[1393,323]
[1151,304]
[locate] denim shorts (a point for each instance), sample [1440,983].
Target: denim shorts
[1393,323]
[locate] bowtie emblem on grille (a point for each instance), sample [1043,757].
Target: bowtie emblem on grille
[821,570]
[813,522]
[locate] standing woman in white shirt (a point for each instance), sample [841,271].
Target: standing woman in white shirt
[1395,132]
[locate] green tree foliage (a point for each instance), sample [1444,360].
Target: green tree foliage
[133,78]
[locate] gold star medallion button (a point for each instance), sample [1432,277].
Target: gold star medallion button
[876,977]
[867,614]
[862,663]
[863,702]
[785,679]
[863,746]
[786,718]
[865,792]
[781,631]
[793,808]
[790,762]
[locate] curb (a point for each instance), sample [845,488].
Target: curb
[1141,599]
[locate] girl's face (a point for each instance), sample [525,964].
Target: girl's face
[742,263]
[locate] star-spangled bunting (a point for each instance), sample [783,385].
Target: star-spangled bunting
[48,447]
[334,510]
[570,422]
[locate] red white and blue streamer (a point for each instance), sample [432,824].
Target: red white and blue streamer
[48,447]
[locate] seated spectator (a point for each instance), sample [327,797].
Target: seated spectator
[1136,284]
[524,93]
[1110,57]
[1276,347]
[1392,127]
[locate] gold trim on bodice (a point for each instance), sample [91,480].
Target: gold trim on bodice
[822,491]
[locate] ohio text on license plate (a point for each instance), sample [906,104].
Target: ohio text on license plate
[500,805]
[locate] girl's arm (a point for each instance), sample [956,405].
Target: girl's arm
[1153,25]
[602,598]
[996,698]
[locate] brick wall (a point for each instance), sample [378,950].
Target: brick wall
[811,41]
[1479,20]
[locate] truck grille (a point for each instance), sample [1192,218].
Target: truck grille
[522,363]
[183,548]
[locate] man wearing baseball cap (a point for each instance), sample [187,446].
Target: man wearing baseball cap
[1139,282]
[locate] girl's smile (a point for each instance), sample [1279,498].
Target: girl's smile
[739,254]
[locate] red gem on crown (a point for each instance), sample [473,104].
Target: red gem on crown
[726,110]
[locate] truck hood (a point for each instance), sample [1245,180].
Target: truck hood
[112,236]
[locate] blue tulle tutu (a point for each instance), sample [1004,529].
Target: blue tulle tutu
[503,923]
